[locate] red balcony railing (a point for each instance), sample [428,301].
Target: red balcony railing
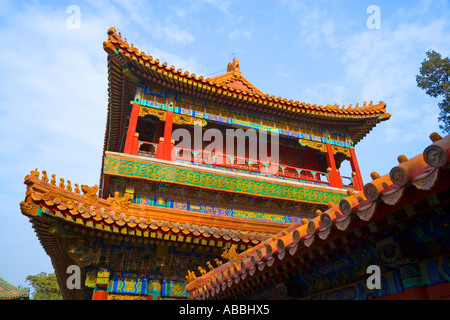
[347,182]
[244,165]
[147,149]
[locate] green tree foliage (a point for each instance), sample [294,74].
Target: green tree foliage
[45,287]
[434,79]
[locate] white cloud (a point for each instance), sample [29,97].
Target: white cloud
[184,63]
[317,28]
[239,35]
[176,35]
[145,16]
[179,12]
[221,5]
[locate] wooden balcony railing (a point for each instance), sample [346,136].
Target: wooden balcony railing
[147,149]
[347,182]
[243,165]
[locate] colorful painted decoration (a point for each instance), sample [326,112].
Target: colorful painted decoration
[120,166]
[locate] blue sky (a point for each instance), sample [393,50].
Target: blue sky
[53,83]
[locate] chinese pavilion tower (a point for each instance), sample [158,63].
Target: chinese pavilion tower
[163,215]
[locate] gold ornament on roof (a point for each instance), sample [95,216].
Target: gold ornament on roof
[90,192]
[118,202]
[230,254]
[191,276]
[44,176]
[61,183]
[234,66]
[29,208]
[69,186]
[34,173]
[202,271]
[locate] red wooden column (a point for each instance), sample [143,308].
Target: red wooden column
[168,133]
[100,294]
[129,142]
[165,145]
[337,181]
[135,148]
[359,185]
[160,149]
[330,175]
